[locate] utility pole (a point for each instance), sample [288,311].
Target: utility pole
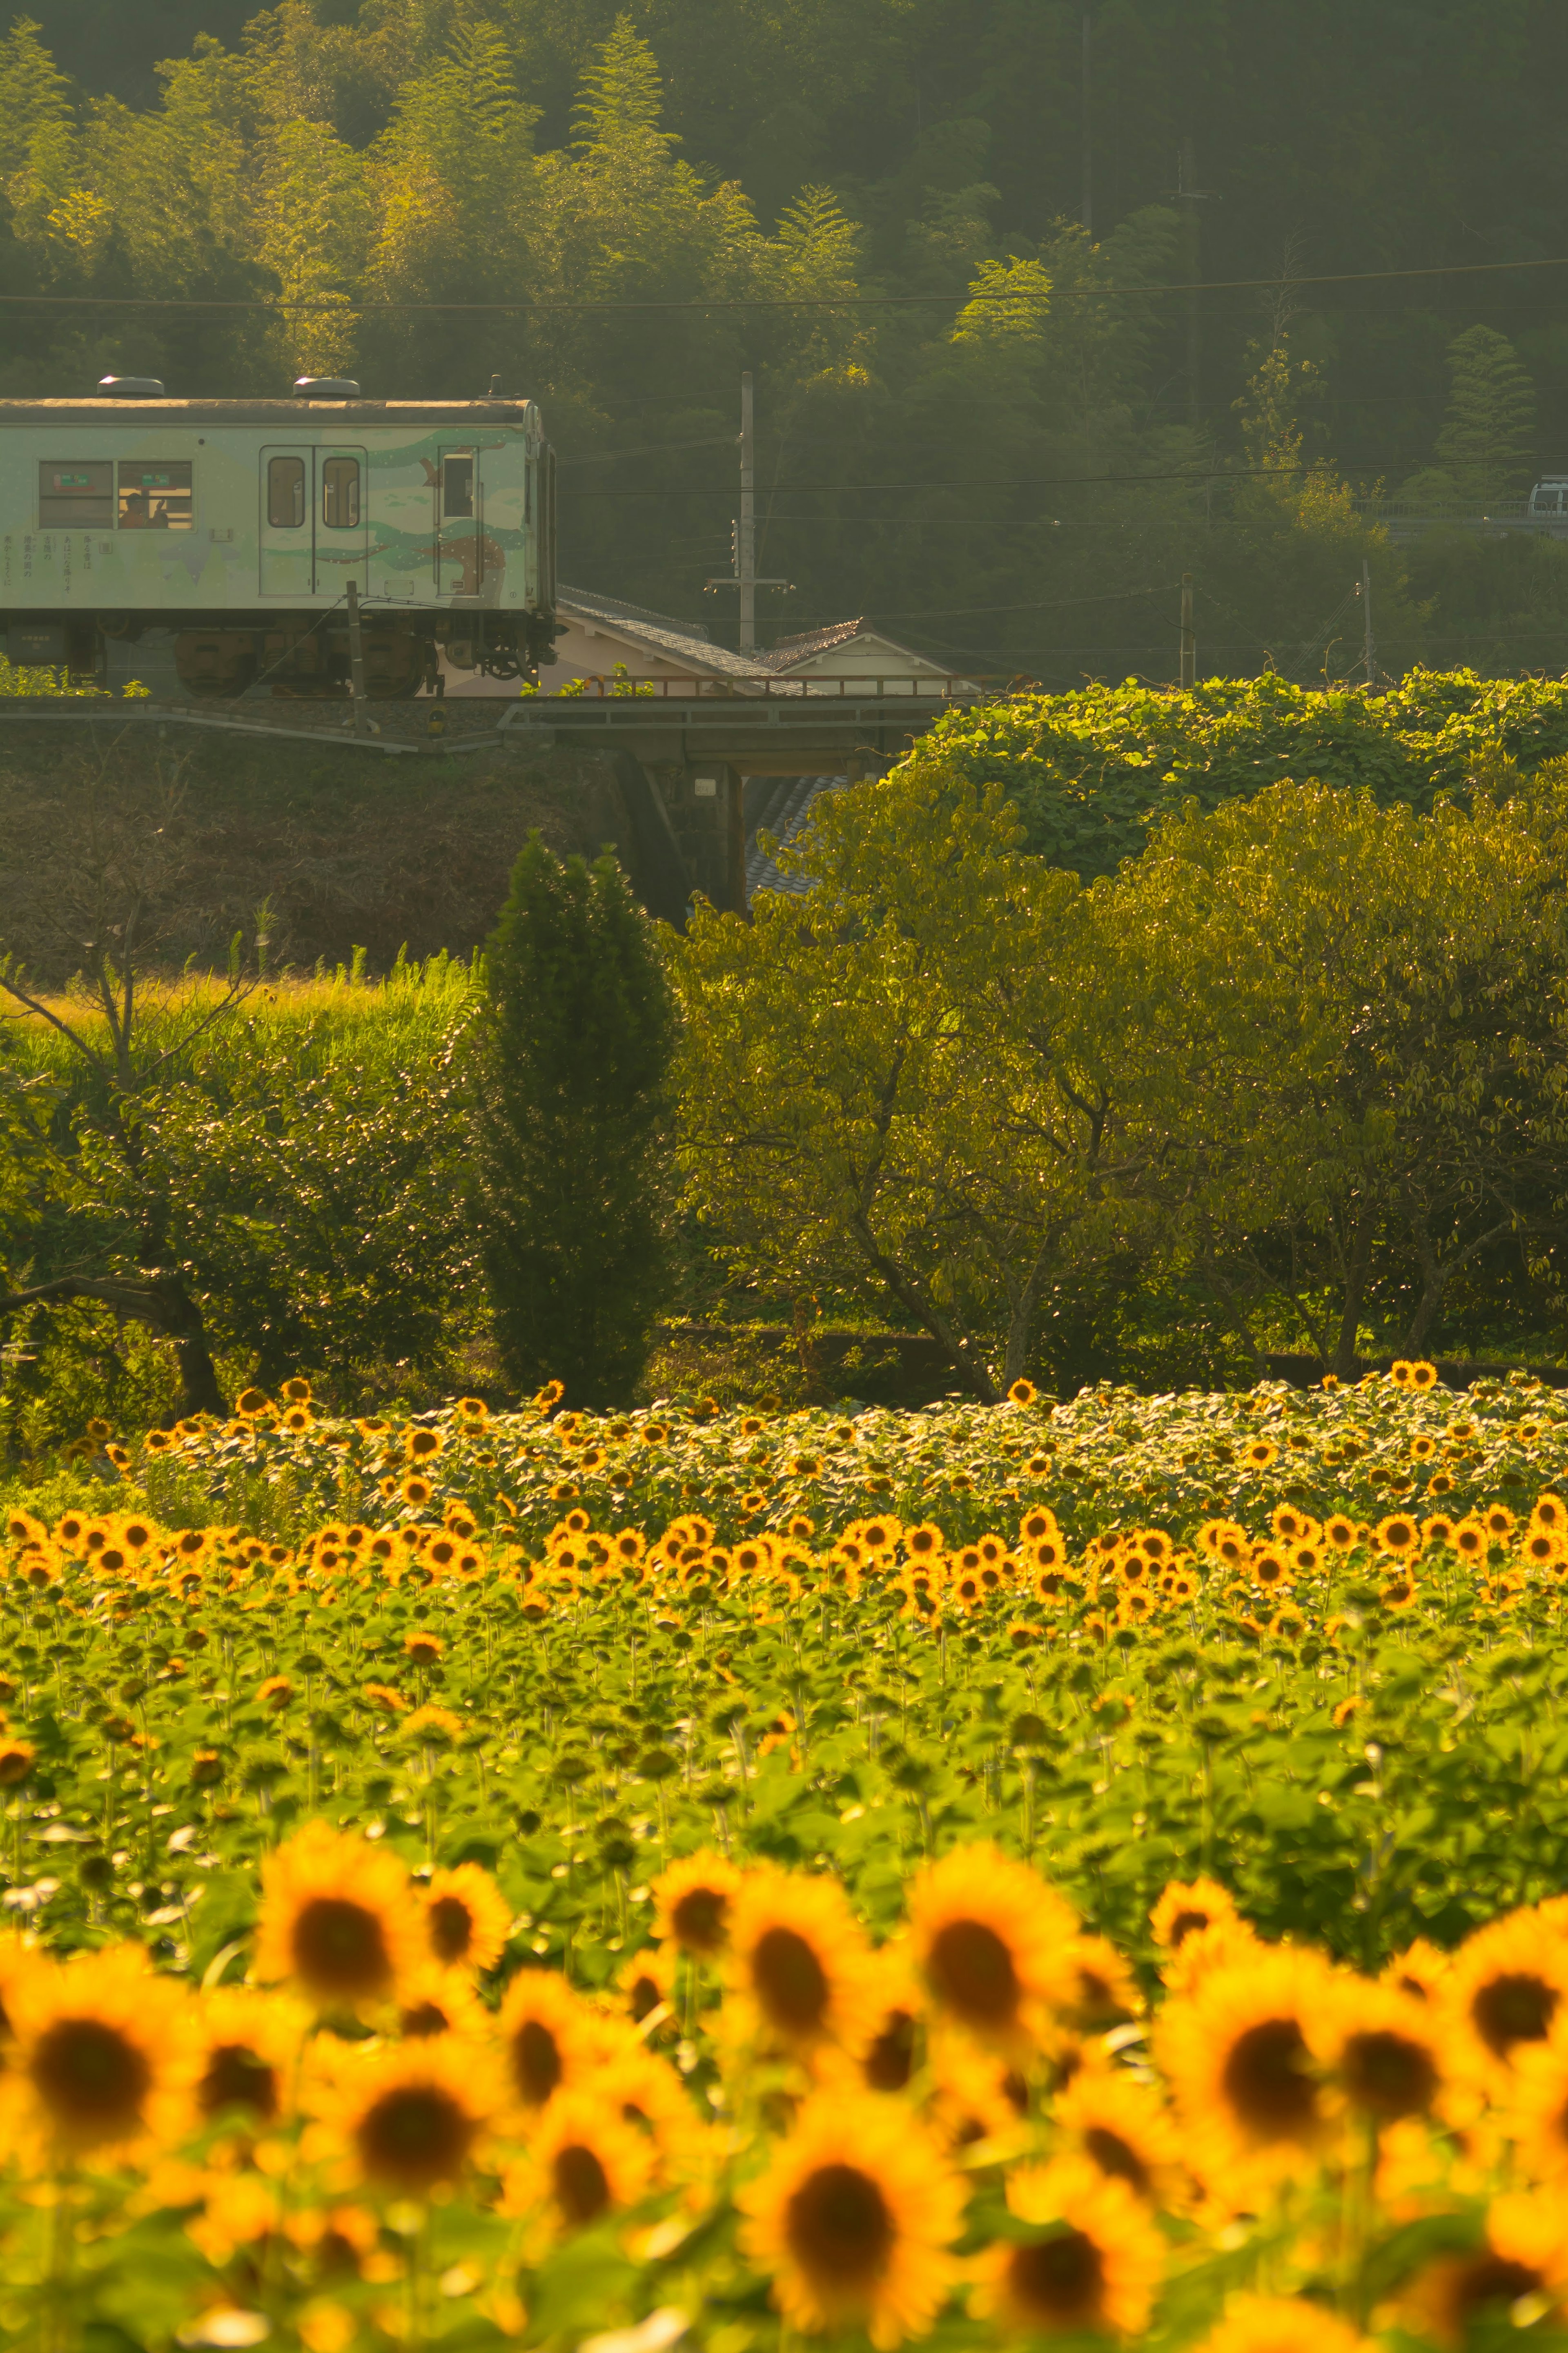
[1088,124]
[1190,197]
[1189,634]
[357,658]
[1369,643]
[744,551]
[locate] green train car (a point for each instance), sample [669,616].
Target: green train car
[237,525]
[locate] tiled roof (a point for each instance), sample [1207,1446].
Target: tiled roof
[789,651]
[785,811]
[686,641]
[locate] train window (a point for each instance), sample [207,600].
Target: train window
[77,496]
[340,493]
[155,495]
[457,488]
[286,493]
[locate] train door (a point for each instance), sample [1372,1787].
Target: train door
[342,520]
[459,526]
[288,522]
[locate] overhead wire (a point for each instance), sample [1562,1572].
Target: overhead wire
[339,304]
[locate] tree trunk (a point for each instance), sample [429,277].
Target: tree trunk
[1358,1265]
[160,1302]
[970,1368]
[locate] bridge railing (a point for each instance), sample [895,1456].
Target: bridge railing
[952,686]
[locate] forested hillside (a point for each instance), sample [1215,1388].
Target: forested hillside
[952,239]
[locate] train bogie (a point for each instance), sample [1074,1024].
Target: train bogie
[238,526]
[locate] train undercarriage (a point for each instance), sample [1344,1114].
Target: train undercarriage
[305,655]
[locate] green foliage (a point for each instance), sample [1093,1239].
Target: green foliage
[1092,772]
[570,1127]
[1489,434]
[901,1725]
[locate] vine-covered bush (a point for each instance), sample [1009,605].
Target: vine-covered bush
[1092,771]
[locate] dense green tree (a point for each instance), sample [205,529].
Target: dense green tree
[571,1128]
[1489,434]
[895,1087]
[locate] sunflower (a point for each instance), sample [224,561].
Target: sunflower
[693,1901]
[1498,1521]
[1522,2261]
[1536,2112]
[1189,1904]
[1281,2324]
[584,2160]
[799,1960]
[549,2040]
[1023,1393]
[1400,1534]
[646,1981]
[1124,2128]
[104,2051]
[437,2000]
[1470,1540]
[251,2045]
[1340,1531]
[467,1917]
[1238,2055]
[1505,1989]
[853,2219]
[338,1919]
[1551,1511]
[1097,2269]
[1105,1992]
[1380,2048]
[992,1941]
[406,2118]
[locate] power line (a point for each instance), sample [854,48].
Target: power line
[1031,482]
[348,306]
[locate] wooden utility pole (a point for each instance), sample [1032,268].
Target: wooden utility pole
[1088,123]
[744,549]
[1369,643]
[1189,634]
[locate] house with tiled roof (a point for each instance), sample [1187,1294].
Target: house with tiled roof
[602,631]
[865,657]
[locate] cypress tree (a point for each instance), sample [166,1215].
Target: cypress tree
[572,1128]
[1488,432]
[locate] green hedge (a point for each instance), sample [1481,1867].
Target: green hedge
[1091,772]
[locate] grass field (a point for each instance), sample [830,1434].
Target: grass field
[536,1872]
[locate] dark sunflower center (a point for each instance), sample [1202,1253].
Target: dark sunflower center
[425,2019]
[237,2078]
[1389,2073]
[646,1998]
[890,2060]
[90,2076]
[1118,2158]
[582,2191]
[699,1919]
[973,1971]
[1058,2283]
[1517,2007]
[791,1982]
[837,2227]
[339,1948]
[536,2062]
[414,2134]
[451,1927]
[1266,2082]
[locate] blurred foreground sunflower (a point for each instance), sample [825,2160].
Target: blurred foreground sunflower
[853,2218]
[338,1919]
[994,1942]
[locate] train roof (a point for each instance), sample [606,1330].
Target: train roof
[267,412]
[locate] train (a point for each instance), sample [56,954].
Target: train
[238,526]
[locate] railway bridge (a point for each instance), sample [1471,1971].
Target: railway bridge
[692,757]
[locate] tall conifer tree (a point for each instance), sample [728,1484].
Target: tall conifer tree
[571,1145]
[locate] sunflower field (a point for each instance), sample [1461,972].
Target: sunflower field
[1091,1870]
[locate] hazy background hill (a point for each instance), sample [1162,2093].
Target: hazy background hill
[389,152]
